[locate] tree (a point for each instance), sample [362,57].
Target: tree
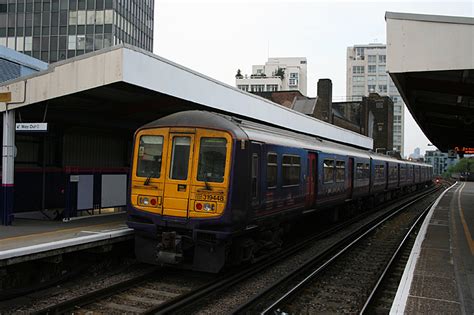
[239,74]
[463,166]
[280,73]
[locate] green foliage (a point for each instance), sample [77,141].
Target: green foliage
[239,74]
[464,165]
[280,73]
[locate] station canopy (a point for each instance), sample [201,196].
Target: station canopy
[431,61]
[126,87]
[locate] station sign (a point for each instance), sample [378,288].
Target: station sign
[464,150]
[5,97]
[32,127]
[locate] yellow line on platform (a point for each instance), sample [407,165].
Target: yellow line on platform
[81,228]
[464,224]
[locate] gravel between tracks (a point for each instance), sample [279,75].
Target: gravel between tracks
[230,299]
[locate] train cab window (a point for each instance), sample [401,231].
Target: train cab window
[149,156]
[340,171]
[254,175]
[291,169]
[272,170]
[212,156]
[180,158]
[328,171]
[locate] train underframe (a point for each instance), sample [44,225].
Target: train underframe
[211,251]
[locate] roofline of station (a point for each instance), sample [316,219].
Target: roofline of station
[135,66]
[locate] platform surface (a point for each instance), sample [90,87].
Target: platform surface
[27,237]
[439,277]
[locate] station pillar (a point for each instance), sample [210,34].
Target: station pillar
[6,210]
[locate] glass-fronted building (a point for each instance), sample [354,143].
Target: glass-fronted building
[53,30]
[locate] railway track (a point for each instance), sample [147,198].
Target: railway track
[347,277]
[162,291]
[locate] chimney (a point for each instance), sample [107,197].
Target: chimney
[324,102]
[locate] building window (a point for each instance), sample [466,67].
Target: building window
[382,59]
[359,51]
[358,78]
[372,79]
[381,69]
[383,88]
[292,82]
[294,75]
[371,88]
[243,87]
[372,69]
[358,89]
[372,58]
[257,87]
[272,87]
[357,69]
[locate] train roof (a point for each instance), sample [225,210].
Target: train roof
[253,131]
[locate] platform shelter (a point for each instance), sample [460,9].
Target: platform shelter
[67,131]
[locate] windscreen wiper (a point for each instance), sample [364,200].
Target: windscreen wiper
[147,180]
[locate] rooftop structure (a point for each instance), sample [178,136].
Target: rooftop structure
[278,74]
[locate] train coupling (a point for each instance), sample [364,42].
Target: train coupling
[169,249]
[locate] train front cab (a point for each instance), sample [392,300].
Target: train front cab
[180,179]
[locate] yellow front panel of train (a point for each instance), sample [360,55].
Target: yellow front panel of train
[148,170]
[181,172]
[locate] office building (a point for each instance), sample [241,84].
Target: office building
[366,74]
[53,30]
[278,74]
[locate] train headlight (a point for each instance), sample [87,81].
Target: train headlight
[149,201]
[208,207]
[205,206]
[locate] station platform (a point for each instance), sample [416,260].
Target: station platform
[30,239]
[439,276]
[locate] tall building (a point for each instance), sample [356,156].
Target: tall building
[278,74]
[365,73]
[53,30]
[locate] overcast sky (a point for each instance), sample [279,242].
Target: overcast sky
[217,37]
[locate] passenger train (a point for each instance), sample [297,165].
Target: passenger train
[207,189]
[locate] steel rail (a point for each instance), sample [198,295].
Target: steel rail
[394,256]
[96,295]
[328,252]
[185,301]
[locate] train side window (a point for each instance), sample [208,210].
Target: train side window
[272,167]
[362,171]
[340,171]
[254,175]
[379,172]
[291,169]
[328,171]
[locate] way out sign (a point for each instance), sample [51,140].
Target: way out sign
[31,127]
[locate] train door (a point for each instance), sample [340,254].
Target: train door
[311,180]
[350,169]
[178,174]
[256,174]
